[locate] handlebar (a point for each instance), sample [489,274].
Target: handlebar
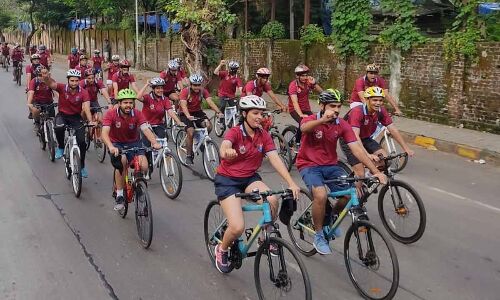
[256,195]
[344,180]
[45,105]
[135,149]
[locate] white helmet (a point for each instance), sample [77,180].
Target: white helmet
[73,73]
[263,71]
[252,102]
[233,64]
[196,79]
[115,57]
[157,82]
[173,65]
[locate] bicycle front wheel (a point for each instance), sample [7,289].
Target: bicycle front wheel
[397,165]
[402,212]
[143,214]
[283,149]
[51,144]
[170,175]
[214,225]
[100,149]
[174,130]
[76,174]
[289,134]
[371,261]
[219,127]
[301,227]
[211,159]
[180,146]
[281,275]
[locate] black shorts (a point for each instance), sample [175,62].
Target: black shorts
[228,186]
[95,107]
[201,115]
[370,145]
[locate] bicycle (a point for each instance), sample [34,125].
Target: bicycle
[169,167]
[290,133]
[282,273]
[397,203]
[93,135]
[231,117]
[391,147]
[170,122]
[136,189]
[45,131]
[72,163]
[201,143]
[18,71]
[281,144]
[364,254]
[5,63]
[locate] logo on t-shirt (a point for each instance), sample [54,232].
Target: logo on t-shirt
[260,148]
[152,106]
[367,121]
[243,150]
[319,134]
[118,124]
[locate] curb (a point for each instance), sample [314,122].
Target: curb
[465,151]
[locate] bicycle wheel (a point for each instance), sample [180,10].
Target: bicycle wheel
[219,127]
[214,226]
[76,174]
[51,144]
[143,214]
[301,227]
[371,261]
[180,146]
[347,169]
[289,134]
[41,136]
[170,175]
[88,137]
[100,149]
[402,212]
[174,130]
[211,159]
[283,276]
[283,149]
[67,163]
[391,148]
[18,77]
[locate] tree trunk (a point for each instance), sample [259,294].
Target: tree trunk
[192,44]
[33,29]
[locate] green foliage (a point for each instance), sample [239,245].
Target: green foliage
[402,34]
[351,20]
[273,30]
[311,34]
[213,56]
[5,20]
[492,26]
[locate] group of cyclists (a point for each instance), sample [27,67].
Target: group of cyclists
[243,147]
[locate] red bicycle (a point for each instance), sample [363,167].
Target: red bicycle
[93,135]
[284,151]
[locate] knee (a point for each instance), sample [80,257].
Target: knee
[319,195]
[237,227]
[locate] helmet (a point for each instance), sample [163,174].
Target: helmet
[42,47]
[126,94]
[124,64]
[157,82]
[90,71]
[97,51]
[372,68]
[263,71]
[330,96]
[73,73]
[115,57]
[374,91]
[251,102]
[173,65]
[178,60]
[233,64]
[74,50]
[82,57]
[196,79]
[34,56]
[300,69]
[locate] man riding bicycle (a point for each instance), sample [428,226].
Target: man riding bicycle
[97,61]
[17,57]
[120,130]
[83,65]
[45,58]
[154,106]
[40,93]
[190,102]
[35,62]
[317,159]
[5,53]
[112,68]
[123,79]
[182,72]
[260,85]
[93,87]
[73,58]
[173,81]
[230,84]
[242,152]
[364,119]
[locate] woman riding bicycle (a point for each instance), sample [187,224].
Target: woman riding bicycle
[242,152]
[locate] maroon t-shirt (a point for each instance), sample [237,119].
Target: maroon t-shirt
[112,69]
[359,117]
[123,80]
[154,108]
[302,93]
[228,84]
[74,60]
[193,99]
[252,88]
[123,128]
[362,84]
[42,93]
[170,81]
[71,103]
[97,61]
[93,88]
[44,58]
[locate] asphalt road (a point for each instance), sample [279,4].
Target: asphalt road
[54,246]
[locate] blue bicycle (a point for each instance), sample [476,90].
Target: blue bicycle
[369,256]
[278,274]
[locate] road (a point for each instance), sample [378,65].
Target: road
[55,246]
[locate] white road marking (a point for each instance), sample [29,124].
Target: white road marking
[490,207]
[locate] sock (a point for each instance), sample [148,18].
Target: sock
[119,193]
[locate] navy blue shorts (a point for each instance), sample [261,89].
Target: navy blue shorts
[315,176]
[228,186]
[125,146]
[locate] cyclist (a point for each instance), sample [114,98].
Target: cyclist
[154,106]
[17,57]
[260,85]
[93,87]
[182,72]
[33,49]
[83,65]
[82,51]
[97,61]
[45,58]
[73,58]
[120,130]
[190,101]
[364,119]
[242,152]
[5,53]
[123,79]
[298,95]
[173,80]
[230,84]
[72,101]
[317,159]
[39,93]
[112,68]
[371,78]
[35,62]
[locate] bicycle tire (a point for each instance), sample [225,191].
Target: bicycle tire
[371,262]
[51,144]
[41,136]
[88,137]
[174,167]
[285,283]
[209,164]
[122,213]
[398,211]
[213,209]
[143,209]
[180,146]
[289,134]
[100,150]
[18,77]
[174,131]
[296,232]
[219,127]
[76,174]
[283,149]
[345,166]
[397,165]
[67,163]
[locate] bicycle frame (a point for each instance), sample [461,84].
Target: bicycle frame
[71,145]
[204,138]
[230,113]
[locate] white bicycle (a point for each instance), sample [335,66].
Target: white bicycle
[202,143]
[231,116]
[71,156]
[174,128]
[391,147]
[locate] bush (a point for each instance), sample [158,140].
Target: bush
[311,34]
[273,30]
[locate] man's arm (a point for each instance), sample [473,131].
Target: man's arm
[184,108]
[226,150]
[86,110]
[222,63]
[104,92]
[276,100]
[51,83]
[392,102]
[213,106]
[296,106]
[357,151]
[141,93]
[397,136]
[134,87]
[115,88]
[149,134]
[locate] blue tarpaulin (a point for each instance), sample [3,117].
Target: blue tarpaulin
[24,26]
[81,24]
[164,23]
[488,8]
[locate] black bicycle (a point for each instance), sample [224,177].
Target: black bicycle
[45,131]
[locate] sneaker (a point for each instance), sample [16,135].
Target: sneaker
[337,233]
[147,176]
[222,262]
[321,244]
[30,116]
[189,160]
[59,153]
[84,173]
[273,249]
[119,203]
